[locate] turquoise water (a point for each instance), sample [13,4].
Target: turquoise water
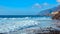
[15,24]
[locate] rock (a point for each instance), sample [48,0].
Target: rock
[56,15]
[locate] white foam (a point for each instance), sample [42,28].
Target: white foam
[10,24]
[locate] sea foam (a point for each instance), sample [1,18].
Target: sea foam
[15,24]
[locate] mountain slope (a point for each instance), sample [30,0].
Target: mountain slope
[48,11]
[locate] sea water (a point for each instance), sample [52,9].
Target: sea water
[19,24]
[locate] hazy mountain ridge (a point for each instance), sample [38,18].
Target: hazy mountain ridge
[48,11]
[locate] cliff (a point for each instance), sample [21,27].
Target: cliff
[56,15]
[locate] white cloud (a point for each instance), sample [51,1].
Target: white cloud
[45,4]
[58,0]
[36,5]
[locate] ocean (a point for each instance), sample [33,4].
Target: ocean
[19,23]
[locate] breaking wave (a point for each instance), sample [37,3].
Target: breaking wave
[15,24]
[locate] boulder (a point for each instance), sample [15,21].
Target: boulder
[56,15]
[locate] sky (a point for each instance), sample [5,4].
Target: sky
[25,7]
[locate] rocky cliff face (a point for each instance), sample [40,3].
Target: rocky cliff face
[56,16]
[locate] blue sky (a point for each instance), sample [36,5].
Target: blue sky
[25,7]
